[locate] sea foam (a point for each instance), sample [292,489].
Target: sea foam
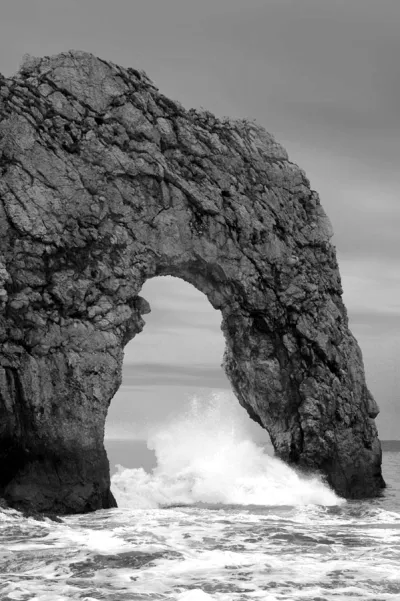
[207,456]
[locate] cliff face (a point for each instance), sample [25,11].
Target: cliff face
[104,183]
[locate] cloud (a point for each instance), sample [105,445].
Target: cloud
[172,374]
[374,324]
[178,305]
[182,328]
[372,287]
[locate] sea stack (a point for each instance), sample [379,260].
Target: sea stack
[104,183]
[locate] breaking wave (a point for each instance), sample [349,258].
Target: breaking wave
[207,456]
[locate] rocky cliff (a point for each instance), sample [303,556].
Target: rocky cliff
[104,183]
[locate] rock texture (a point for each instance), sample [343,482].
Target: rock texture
[104,183]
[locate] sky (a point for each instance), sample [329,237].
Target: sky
[323,77]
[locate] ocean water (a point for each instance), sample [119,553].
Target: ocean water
[212,517]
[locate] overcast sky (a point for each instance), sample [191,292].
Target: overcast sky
[323,76]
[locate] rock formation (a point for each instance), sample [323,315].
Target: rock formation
[105,183]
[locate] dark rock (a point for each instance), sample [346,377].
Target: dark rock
[105,183]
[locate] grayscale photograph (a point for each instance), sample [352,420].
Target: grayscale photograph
[199,300]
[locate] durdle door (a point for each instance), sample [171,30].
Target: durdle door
[104,183]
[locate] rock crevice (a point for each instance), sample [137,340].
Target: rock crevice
[104,183]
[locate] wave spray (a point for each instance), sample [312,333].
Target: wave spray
[207,456]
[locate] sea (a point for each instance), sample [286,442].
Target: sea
[208,514]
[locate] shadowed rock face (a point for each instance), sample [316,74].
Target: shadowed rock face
[104,183]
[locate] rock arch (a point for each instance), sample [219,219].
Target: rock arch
[105,183]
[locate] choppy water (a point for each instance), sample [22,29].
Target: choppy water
[218,519]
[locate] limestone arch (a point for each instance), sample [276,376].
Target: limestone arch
[105,183]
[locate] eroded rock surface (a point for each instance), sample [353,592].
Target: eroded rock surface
[105,183]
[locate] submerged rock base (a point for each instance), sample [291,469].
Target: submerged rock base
[104,183]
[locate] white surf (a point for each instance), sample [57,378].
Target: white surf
[207,456]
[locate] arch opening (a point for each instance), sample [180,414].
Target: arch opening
[176,362]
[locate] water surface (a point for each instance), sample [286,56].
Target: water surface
[213,518]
